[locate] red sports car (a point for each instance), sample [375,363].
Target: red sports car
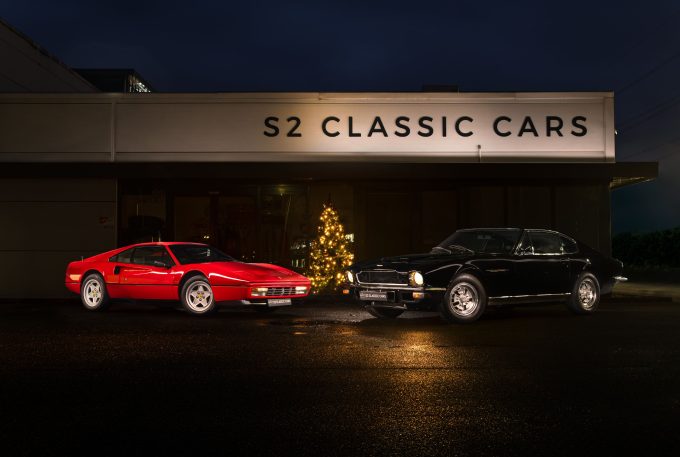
[198,275]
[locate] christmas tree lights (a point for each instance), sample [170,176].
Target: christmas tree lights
[329,253]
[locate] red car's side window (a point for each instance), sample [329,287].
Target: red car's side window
[123,257]
[152,255]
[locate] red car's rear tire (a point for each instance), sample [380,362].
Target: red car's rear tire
[93,293]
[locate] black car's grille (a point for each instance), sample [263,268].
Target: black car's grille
[382,277]
[275,291]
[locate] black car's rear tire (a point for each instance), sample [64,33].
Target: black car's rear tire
[464,301]
[93,293]
[585,295]
[382,312]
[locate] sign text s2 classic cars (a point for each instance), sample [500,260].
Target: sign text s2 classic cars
[427,126]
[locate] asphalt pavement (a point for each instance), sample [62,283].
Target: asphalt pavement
[327,379]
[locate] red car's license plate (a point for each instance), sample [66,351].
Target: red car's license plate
[279,302]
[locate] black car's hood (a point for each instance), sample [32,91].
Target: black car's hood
[421,262]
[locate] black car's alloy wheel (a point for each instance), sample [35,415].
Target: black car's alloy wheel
[464,300]
[382,312]
[585,295]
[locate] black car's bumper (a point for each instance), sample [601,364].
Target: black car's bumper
[394,297]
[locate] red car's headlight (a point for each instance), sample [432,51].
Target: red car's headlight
[258,291]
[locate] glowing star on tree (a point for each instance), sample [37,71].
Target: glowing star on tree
[329,252]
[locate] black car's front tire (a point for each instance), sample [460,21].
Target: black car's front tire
[464,301]
[585,295]
[382,312]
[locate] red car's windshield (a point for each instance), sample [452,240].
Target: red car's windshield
[198,253]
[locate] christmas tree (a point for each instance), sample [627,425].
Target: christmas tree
[329,252]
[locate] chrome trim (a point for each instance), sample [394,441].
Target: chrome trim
[389,287]
[620,278]
[356,277]
[527,298]
[504,297]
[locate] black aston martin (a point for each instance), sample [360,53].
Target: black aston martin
[476,268]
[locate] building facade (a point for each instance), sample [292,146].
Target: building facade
[86,171]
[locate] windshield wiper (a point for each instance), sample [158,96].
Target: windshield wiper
[461,248]
[443,249]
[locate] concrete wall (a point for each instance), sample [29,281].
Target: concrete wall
[46,223]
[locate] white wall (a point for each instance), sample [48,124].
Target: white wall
[46,223]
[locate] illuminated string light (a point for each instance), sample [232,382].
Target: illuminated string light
[329,255]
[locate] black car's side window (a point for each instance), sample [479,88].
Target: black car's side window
[525,247]
[156,256]
[123,257]
[546,243]
[569,246]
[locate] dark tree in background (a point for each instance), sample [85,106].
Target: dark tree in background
[649,250]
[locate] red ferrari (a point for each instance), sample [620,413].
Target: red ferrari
[197,275]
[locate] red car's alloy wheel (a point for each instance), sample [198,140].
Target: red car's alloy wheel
[198,296]
[93,293]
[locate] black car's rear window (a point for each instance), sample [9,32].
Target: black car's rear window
[198,253]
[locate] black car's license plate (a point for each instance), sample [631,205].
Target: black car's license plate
[279,302]
[372,295]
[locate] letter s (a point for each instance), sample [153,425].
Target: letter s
[270,123]
[582,129]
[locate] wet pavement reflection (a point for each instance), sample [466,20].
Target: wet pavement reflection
[331,380]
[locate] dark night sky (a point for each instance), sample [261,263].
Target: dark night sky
[632,48]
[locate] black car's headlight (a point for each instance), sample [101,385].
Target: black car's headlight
[349,276]
[415,278]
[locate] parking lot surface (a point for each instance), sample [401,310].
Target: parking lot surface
[328,379]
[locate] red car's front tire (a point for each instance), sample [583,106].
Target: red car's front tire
[93,293]
[197,296]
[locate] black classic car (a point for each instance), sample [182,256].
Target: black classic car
[476,268]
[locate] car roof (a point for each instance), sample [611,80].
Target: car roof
[162,243]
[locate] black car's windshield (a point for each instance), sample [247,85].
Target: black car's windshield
[487,241]
[198,253]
